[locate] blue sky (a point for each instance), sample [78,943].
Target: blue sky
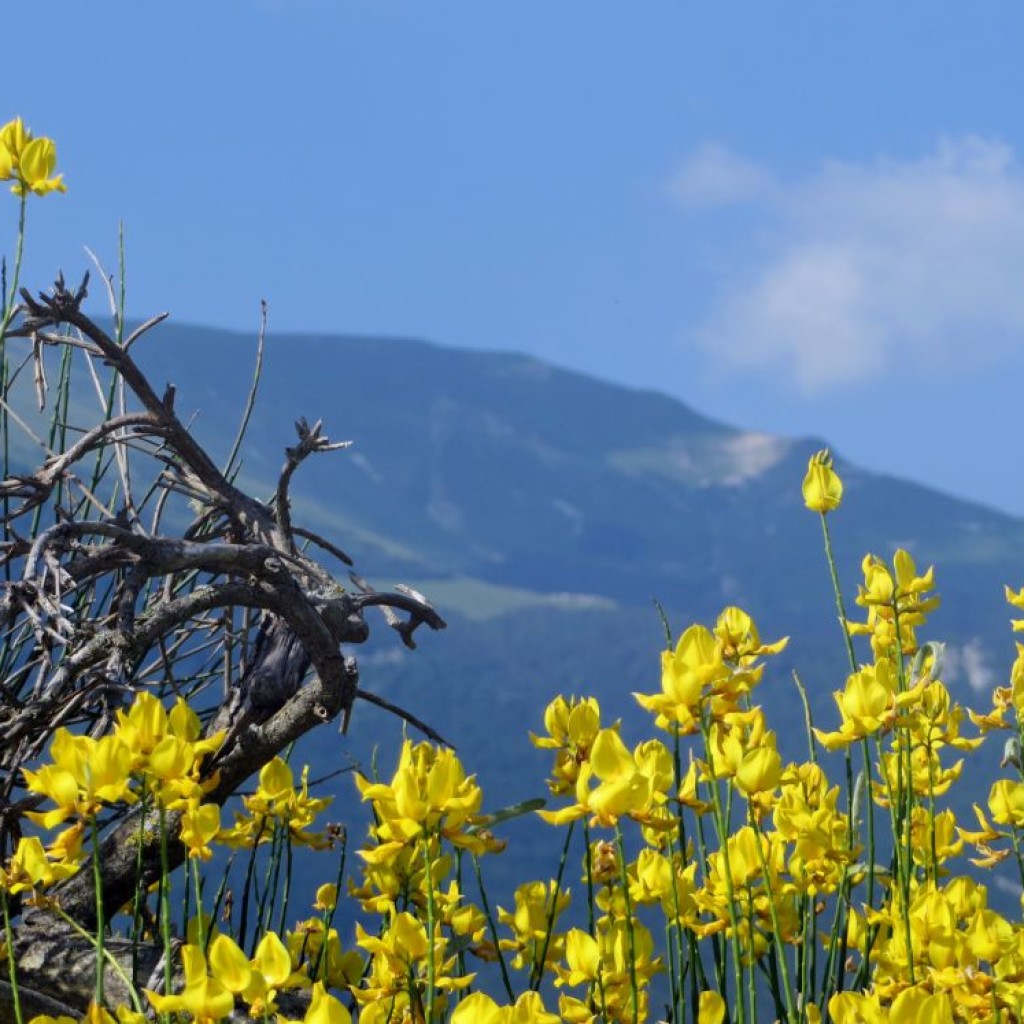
[802,217]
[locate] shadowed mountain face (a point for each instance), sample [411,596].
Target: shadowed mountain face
[543,512]
[505,471]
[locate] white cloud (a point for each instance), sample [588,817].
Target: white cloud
[715,177]
[868,268]
[969,663]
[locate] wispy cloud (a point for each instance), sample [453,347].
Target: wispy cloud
[868,268]
[970,663]
[713,176]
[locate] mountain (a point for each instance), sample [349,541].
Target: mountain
[544,511]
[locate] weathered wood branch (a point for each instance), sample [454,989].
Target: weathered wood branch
[89,598]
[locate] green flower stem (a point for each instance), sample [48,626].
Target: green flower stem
[751,979]
[250,872]
[12,968]
[812,743]
[837,590]
[787,985]
[460,956]
[431,913]
[933,868]
[902,866]
[589,866]
[140,894]
[1015,839]
[588,861]
[673,930]
[328,918]
[492,928]
[674,974]
[717,951]
[866,756]
[851,839]
[287,889]
[537,969]
[722,826]
[101,923]
[165,905]
[634,991]
[12,294]
[809,950]
[832,981]
[197,883]
[103,953]
[268,897]
[5,323]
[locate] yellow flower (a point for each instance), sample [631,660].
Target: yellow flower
[429,793]
[537,909]
[760,770]
[868,705]
[927,776]
[324,959]
[1006,802]
[628,784]
[739,640]
[30,868]
[326,897]
[657,879]
[916,1005]
[480,1008]
[989,936]
[822,488]
[323,1009]
[687,673]
[206,998]
[276,800]
[711,1008]
[399,964]
[199,826]
[934,832]
[84,775]
[856,1008]
[582,958]
[572,727]
[29,161]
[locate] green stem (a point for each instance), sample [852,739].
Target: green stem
[787,985]
[722,825]
[634,990]
[140,892]
[328,918]
[250,871]
[537,969]
[837,590]
[431,911]
[12,968]
[197,884]
[101,924]
[492,928]
[102,953]
[286,894]
[165,904]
